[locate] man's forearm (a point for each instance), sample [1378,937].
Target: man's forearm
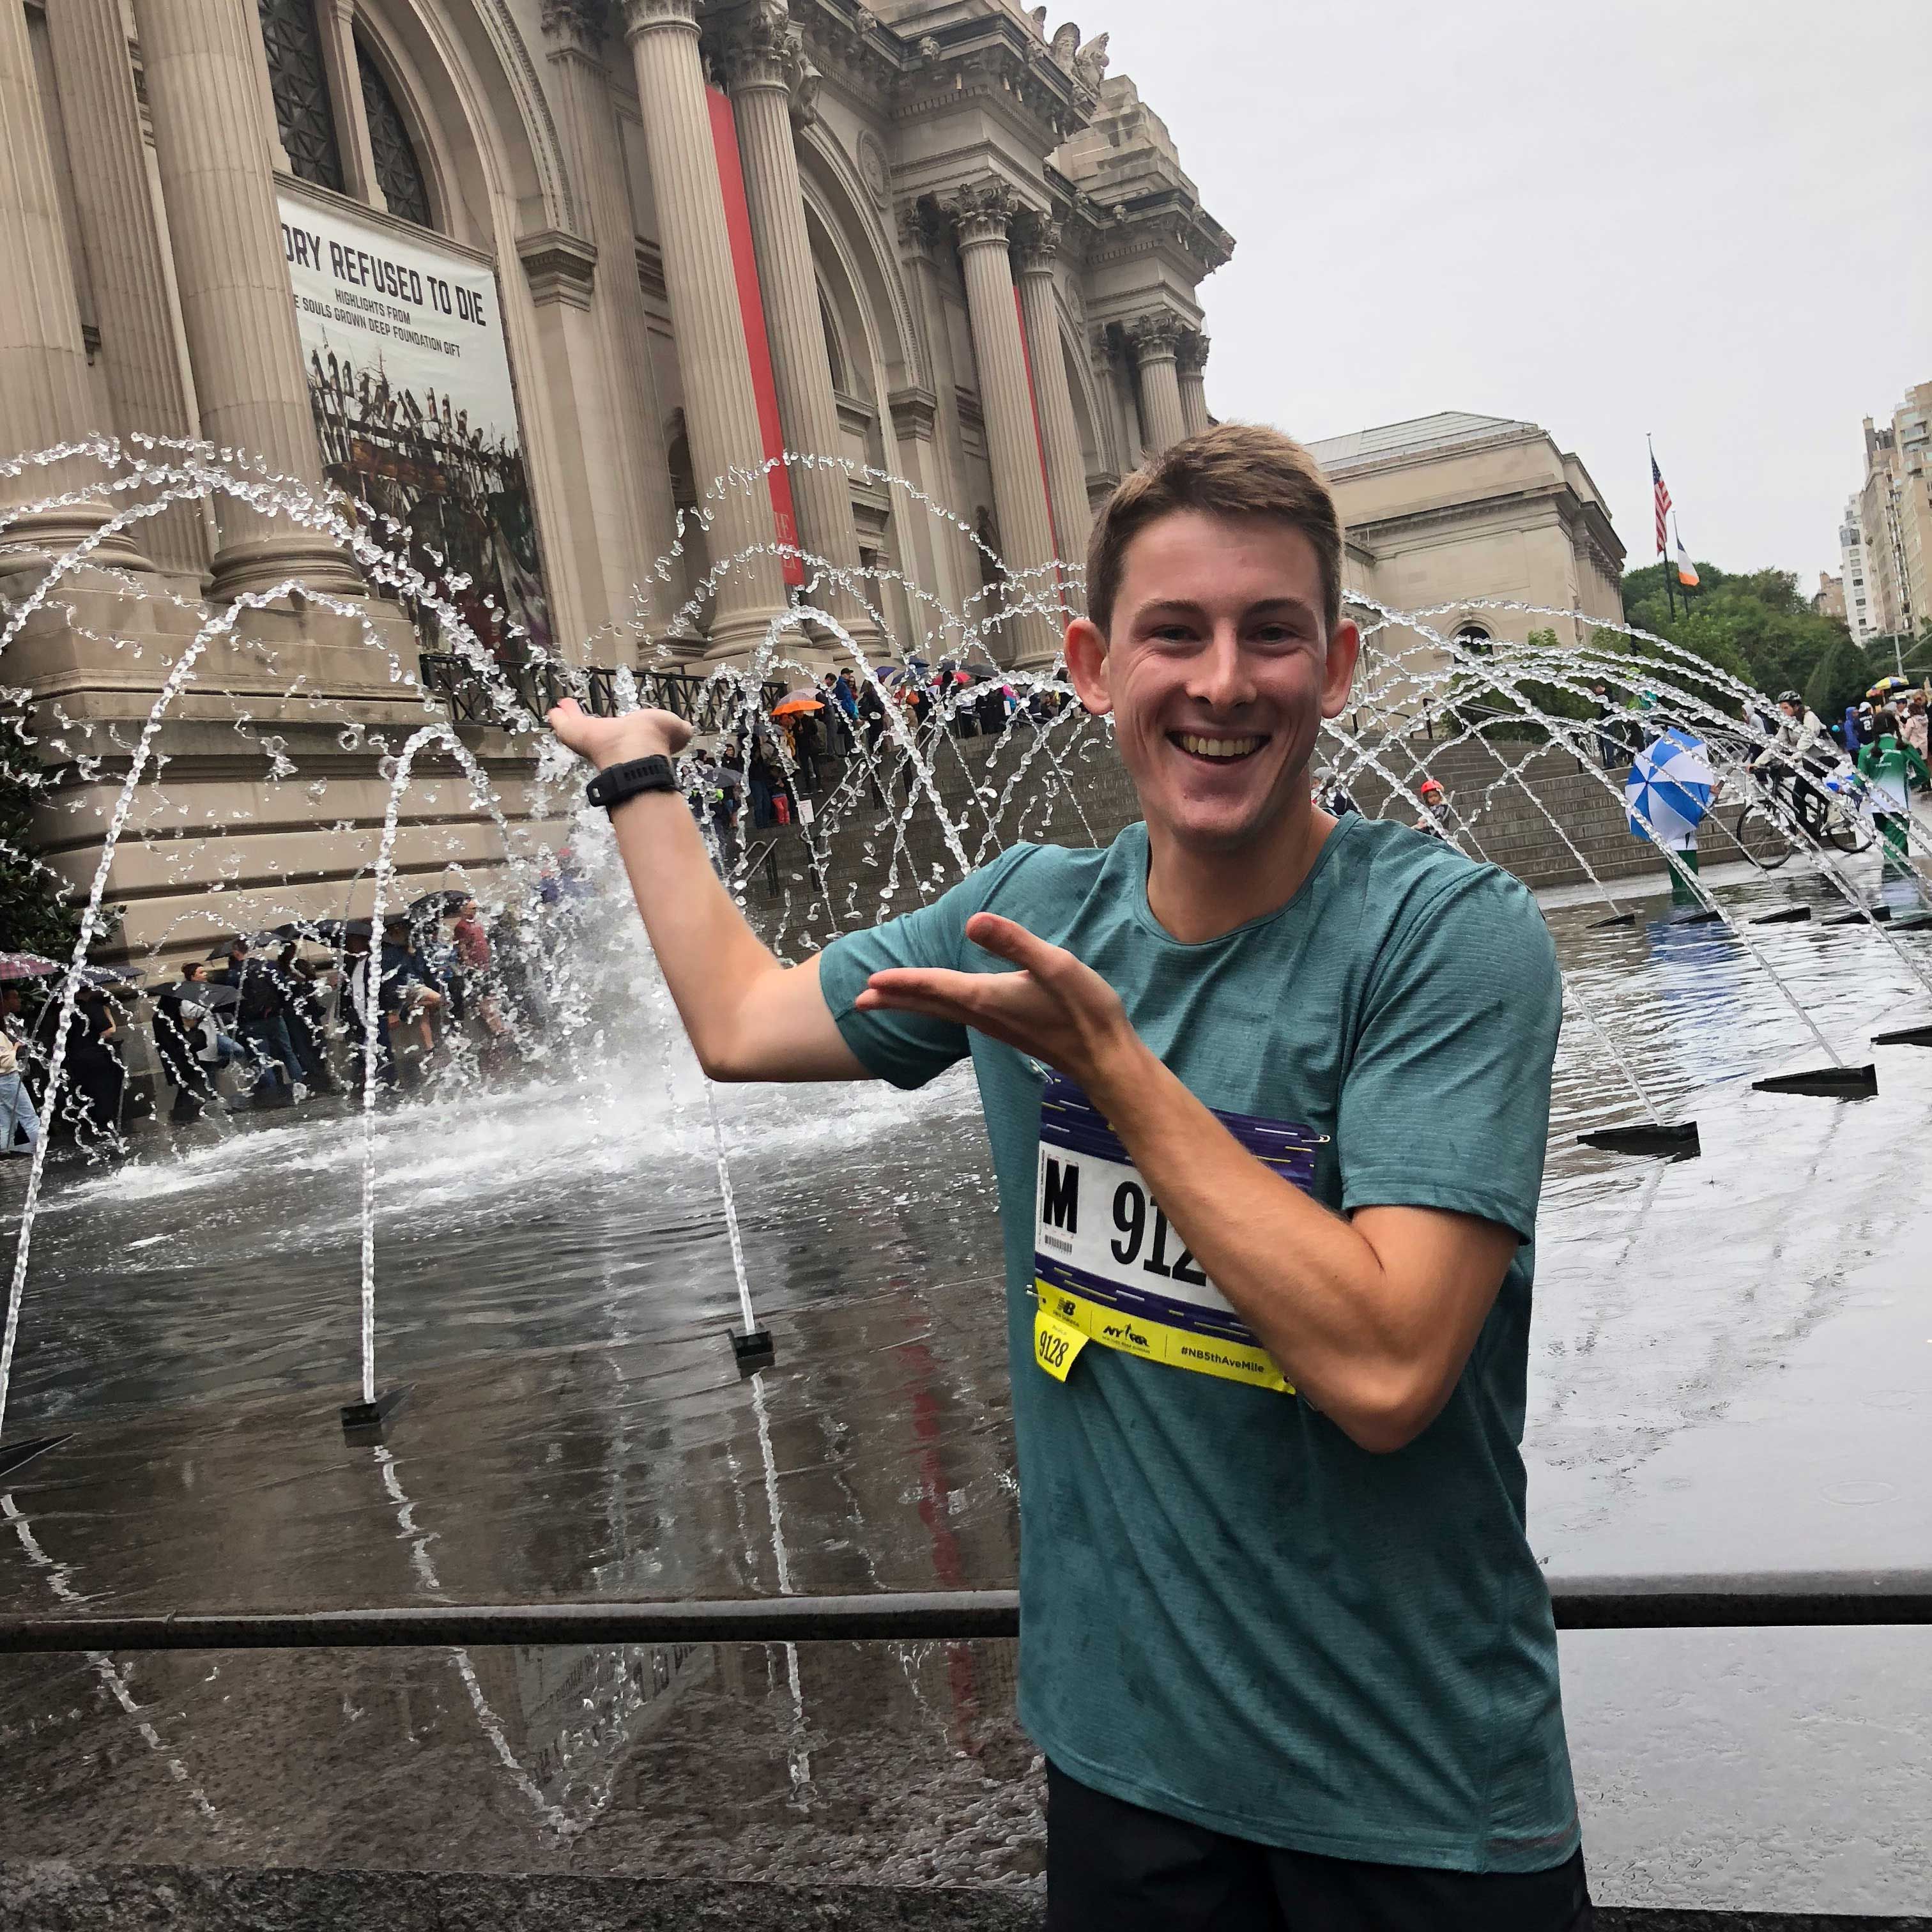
[1368,1348]
[710,957]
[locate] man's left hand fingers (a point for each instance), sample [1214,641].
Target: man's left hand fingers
[1006,939]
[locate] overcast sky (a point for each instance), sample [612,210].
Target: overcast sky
[1711,219]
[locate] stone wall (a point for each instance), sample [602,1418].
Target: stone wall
[1536,810]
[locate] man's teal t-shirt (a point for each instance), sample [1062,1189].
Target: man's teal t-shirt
[1230,1613]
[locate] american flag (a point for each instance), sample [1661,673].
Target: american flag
[1662,496]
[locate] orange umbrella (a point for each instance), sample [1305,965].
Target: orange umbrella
[803,699]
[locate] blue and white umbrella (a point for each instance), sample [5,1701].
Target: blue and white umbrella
[1669,789]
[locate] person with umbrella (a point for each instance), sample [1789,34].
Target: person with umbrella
[261,1022]
[355,973]
[1668,795]
[189,1039]
[408,991]
[19,1125]
[94,1076]
[303,1014]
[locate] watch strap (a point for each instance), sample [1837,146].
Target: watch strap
[617,783]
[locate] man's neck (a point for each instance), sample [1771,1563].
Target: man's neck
[1197,896]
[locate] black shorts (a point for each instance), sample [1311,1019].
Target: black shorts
[1111,1866]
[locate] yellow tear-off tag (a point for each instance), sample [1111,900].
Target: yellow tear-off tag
[1056,1347]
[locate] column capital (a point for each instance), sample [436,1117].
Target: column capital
[643,17]
[921,226]
[984,212]
[1156,337]
[1037,241]
[764,48]
[1191,350]
[579,26]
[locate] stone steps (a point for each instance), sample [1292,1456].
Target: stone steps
[1511,827]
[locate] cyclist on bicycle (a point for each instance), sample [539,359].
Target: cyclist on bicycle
[1801,750]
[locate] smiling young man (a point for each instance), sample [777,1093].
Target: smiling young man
[1267,1094]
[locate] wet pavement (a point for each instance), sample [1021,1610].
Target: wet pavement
[1731,1370]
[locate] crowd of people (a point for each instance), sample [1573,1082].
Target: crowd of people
[803,748]
[276,1020]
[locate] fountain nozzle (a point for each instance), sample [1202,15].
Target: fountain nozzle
[754,1352]
[362,1421]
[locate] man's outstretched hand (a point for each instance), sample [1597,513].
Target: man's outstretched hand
[606,742]
[1053,1008]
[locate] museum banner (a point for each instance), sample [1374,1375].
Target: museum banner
[410,378]
[757,342]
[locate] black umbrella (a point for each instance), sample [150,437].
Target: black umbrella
[323,931]
[449,900]
[128,977]
[247,939]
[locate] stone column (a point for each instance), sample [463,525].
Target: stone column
[985,211]
[721,410]
[926,242]
[1156,339]
[335,28]
[637,527]
[199,59]
[1191,360]
[138,354]
[1060,434]
[763,63]
[43,398]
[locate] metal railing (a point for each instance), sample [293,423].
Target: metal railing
[473,696]
[1779,1600]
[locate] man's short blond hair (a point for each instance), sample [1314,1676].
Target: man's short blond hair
[1234,470]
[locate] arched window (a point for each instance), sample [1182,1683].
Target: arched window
[833,352]
[398,172]
[311,119]
[300,84]
[1475,640]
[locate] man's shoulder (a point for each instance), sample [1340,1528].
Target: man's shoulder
[1413,887]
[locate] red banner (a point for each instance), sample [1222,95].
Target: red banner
[751,312]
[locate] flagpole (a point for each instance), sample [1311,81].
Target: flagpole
[1663,550]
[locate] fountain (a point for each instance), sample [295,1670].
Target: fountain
[908,810]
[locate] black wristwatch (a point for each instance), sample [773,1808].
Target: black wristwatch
[615,783]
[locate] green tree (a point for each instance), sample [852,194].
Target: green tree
[35,916]
[1840,679]
[1756,625]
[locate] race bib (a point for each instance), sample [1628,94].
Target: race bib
[1109,1267]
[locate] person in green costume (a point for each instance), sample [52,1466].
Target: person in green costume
[1268,1096]
[1891,767]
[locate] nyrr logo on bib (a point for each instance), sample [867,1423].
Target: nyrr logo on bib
[1110,1267]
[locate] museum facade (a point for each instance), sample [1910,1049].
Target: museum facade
[528,279]
[529,276]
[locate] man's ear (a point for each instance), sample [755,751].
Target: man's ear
[1086,665]
[1345,646]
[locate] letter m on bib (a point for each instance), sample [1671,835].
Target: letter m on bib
[1060,1196]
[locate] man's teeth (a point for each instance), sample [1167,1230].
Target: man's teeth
[1218,747]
